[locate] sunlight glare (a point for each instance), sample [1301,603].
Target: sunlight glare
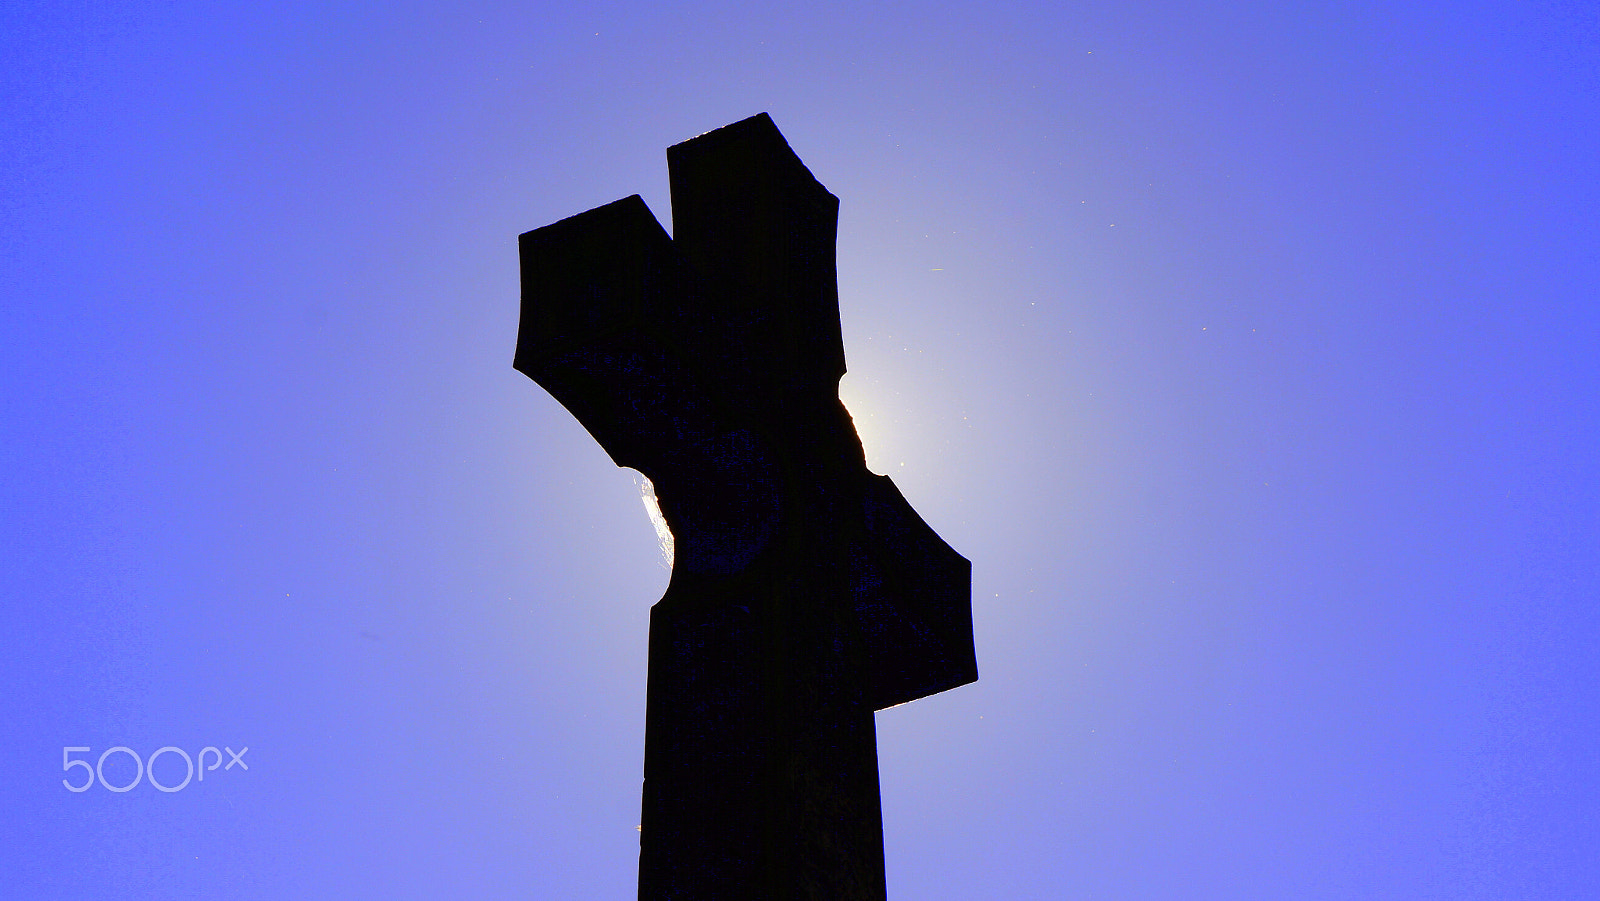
[869,427]
[647,494]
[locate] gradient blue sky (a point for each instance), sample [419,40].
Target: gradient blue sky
[1247,349]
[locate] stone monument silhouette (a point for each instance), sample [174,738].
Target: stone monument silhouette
[805,592]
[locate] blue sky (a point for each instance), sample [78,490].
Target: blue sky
[1246,349]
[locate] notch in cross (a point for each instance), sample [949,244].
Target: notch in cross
[806,593]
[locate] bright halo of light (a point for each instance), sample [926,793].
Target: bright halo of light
[870,427]
[652,509]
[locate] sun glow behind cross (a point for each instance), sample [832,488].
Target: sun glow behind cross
[869,428]
[865,417]
[876,431]
[647,494]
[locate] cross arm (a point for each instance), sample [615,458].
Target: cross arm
[603,309]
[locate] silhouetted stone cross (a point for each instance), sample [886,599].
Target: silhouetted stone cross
[805,592]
